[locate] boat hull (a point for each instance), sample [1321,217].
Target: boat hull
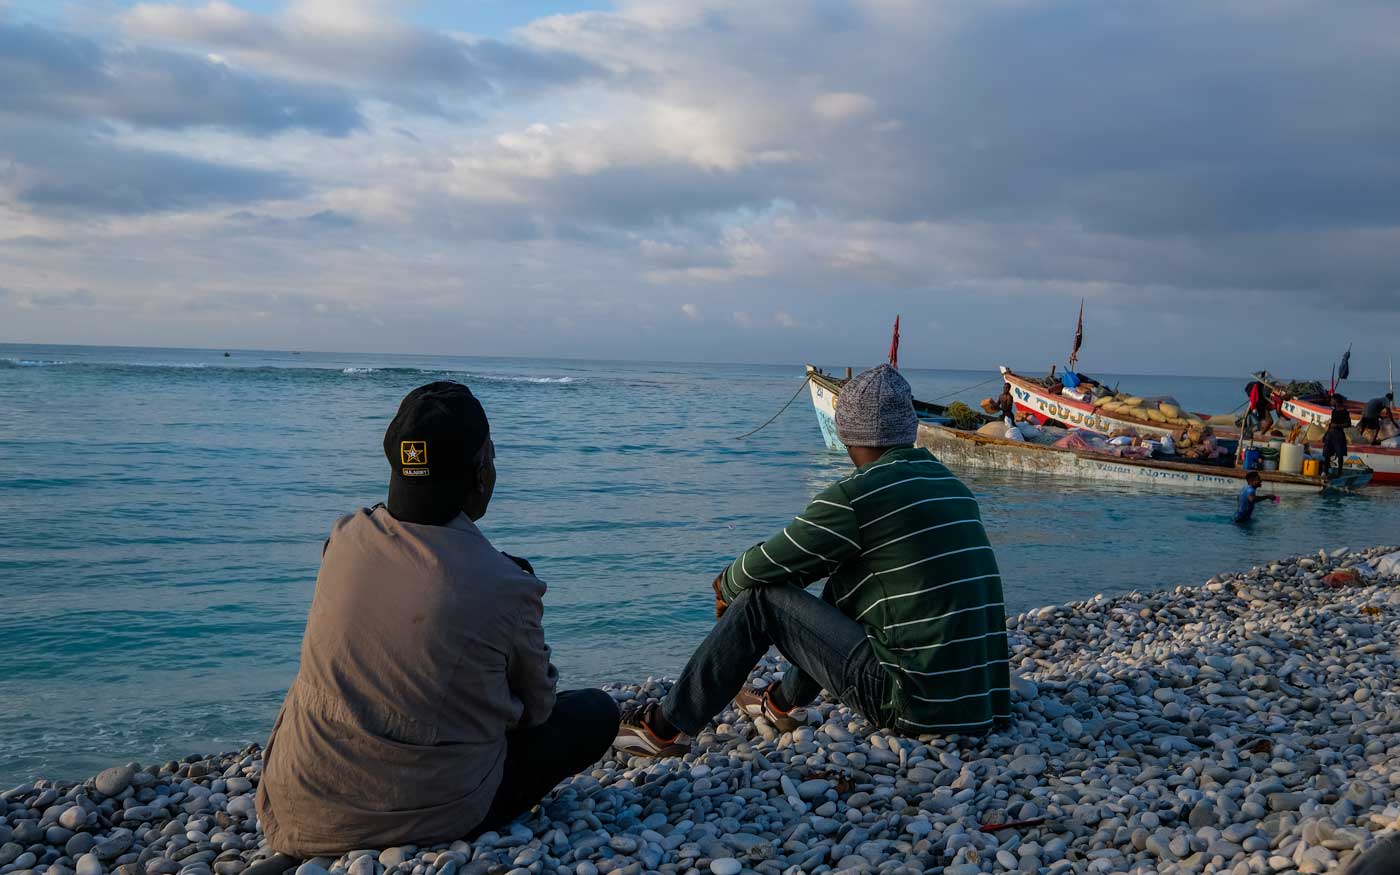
[823,395]
[1032,398]
[1384,461]
[959,449]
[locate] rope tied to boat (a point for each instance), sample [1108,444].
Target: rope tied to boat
[970,388]
[779,413]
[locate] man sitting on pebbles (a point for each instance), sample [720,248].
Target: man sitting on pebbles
[909,630]
[424,708]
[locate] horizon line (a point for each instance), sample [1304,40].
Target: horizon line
[592,359]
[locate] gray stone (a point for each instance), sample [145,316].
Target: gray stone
[394,856]
[79,844]
[366,865]
[9,852]
[113,781]
[1285,801]
[1202,814]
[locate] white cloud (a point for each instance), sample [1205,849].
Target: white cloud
[841,106]
[595,172]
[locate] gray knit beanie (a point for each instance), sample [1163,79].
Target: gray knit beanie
[876,409]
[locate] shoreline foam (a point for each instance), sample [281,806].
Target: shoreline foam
[1245,725]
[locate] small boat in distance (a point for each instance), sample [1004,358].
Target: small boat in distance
[962,449]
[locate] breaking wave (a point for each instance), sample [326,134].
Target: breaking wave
[32,363]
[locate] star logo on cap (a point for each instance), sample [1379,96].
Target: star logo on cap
[413,453]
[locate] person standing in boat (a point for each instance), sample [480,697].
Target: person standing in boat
[1376,410]
[1007,405]
[1334,442]
[910,628]
[1260,417]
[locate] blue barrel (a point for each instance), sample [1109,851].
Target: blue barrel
[1251,459]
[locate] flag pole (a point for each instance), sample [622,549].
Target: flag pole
[1078,337]
[894,344]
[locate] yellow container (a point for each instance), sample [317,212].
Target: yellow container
[1312,468]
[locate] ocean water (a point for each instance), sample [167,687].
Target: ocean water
[163,513]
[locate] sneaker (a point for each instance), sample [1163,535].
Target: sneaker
[636,738]
[752,704]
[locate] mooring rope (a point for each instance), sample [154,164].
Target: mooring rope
[970,388]
[779,413]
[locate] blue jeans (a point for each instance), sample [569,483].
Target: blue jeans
[826,649]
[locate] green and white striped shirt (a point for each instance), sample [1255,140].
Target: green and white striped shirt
[903,549]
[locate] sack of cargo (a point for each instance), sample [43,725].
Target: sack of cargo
[1130,400]
[993,429]
[1155,415]
[1171,411]
[1029,430]
[1014,434]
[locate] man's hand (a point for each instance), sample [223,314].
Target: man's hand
[720,604]
[523,563]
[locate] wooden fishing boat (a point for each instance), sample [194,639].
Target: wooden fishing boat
[967,449]
[1385,461]
[964,448]
[1032,397]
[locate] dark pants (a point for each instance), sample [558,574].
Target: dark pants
[1334,445]
[577,734]
[1382,859]
[826,649]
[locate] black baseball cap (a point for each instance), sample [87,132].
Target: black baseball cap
[430,445]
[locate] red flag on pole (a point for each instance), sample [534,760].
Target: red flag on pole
[894,345]
[1078,336]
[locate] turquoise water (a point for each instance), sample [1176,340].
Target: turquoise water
[164,512]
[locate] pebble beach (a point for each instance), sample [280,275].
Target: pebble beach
[1247,724]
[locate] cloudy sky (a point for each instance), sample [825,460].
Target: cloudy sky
[708,180]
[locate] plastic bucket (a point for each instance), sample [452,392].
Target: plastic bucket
[1270,465]
[1312,468]
[1290,458]
[1251,459]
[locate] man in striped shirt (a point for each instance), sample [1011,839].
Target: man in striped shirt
[910,629]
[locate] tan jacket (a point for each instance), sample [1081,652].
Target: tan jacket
[423,648]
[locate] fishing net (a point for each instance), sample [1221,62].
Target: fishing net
[963,416]
[1301,388]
